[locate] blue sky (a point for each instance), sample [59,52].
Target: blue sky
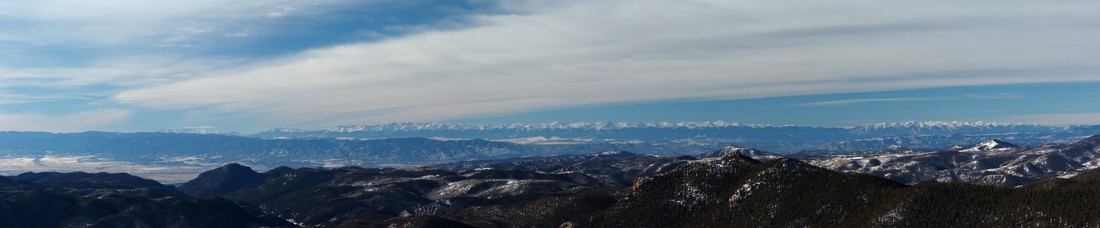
[128,65]
[1049,104]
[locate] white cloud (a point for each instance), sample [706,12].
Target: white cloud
[9,98]
[239,34]
[995,96]
[856,101]
[598,52]
[64,45]
[109,74]
[80,121]
[130,22]
[282,12]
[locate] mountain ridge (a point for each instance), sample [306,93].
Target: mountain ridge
[994,162]
[724,187]
[54,199]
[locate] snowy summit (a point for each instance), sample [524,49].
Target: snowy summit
[991,145]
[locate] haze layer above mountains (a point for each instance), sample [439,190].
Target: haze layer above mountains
[177,157]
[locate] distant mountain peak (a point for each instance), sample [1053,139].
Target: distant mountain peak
[1095,140]
[736,151]
[991,145]
[235,165]
[614,153]
[224,179]
[1091,143]
[941,124]
[896,149]
[733,148]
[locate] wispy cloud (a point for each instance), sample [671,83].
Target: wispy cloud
[128,43]
[600,52]
[134,22]
[539,55]
[856,101]
[80,121]
[994,96]
[282,12]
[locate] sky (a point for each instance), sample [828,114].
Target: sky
[129,65]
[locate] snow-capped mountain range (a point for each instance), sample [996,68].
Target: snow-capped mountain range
[608,125]
[605,125]
[781,139]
